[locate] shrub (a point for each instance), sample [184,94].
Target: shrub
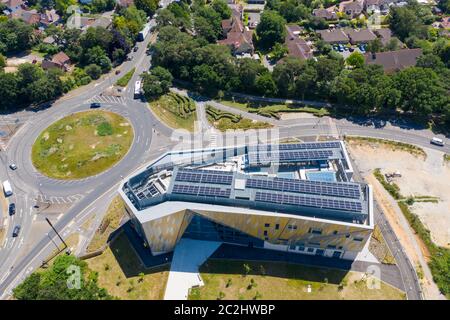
[104,129]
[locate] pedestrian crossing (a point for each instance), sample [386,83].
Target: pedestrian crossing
[106,99]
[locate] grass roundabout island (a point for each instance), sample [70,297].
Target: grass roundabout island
[82,144]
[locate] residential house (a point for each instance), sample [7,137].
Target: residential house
[333,36]
[49,17]
[59,60]
[31,17]
[385,36]
[297,46]
[13,5]
[357,36]
[393,61]
[327,14]
[238,37]
[352,8]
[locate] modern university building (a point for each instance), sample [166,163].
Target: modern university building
[292,197]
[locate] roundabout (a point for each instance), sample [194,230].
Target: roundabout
[82,144]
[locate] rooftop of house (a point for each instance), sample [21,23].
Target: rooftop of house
[335,35]
[360,35]
[61,58]
[394,60]
[296,45]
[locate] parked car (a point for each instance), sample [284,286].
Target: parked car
[135,49]
[12,209]
[117,71]
[95,105]
[16,231]
[13,166]
[437,141]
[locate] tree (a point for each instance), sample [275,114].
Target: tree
[248,71]
[51,284]
[405,22]
[15,35]
[374,46]
[222,8]
[206,79]
[278,51]
[270,29]
[207,23]
[2,61]
[149,6]
[9,90]
[94,71]
[97,55]
[355,59]
[265,85]
[156,83]
[421,90]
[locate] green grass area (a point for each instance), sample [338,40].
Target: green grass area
[223,120]
[110,222]
[273,110]
[440,256]
[82,144]
[394,145]
[175,110]
[122,274]
[446,157]
[123,81]
[226,279]
[379,248]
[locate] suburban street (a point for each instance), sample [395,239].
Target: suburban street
[88,195]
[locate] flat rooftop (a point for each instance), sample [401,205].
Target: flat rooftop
[310,179]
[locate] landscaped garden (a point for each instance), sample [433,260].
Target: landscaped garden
[175,110]
[273,110]
[225,279]
[82,144]
[223,120]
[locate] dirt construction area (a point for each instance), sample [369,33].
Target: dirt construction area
[420,177]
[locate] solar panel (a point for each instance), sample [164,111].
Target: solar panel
[297,200]
[286,156]
[307,186]
[204,176]
[298,146]
[201,191]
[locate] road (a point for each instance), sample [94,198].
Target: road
[95,192]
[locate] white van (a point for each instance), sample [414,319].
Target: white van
[437,141]
[7,188]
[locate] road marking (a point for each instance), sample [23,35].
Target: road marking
[59,216]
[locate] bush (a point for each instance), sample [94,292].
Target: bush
[94,71]
[104,129]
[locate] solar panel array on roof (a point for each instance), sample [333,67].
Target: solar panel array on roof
[298,146]
[204,176]
[263,157]
[308,201]
[201,191]
[151,191]
[307,186]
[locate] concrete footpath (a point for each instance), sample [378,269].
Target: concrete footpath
[188,256]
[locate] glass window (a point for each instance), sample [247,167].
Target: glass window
[277,226]
[267,225]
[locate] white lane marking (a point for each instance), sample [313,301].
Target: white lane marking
[35,217]
[59,216]
[20,243]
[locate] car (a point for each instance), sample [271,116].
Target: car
[135,49]
[95,105]
[117,71]
[437,141]
[341,48]
[12,209]
[16,231]
[13,166]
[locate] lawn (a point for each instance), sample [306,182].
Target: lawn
[281,281]
[123,81]
[82,145]
[110,222]
[122,274]
[175,110]
[223,120]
